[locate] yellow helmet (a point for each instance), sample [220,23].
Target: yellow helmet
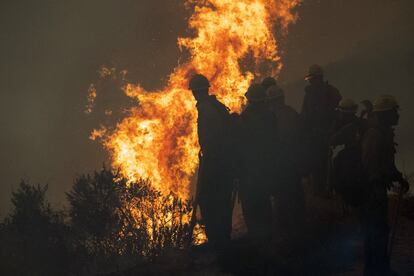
[385,103]
[347,106]
[314,71]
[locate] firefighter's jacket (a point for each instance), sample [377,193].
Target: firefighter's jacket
[213,135]
[378,156]
[319,104]
[292,149]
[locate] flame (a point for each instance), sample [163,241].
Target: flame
[91,99]
[233,45]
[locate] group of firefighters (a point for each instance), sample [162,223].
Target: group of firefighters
[267,151]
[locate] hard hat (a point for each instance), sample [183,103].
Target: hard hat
[274,92]
[269,81]
[314,71]
[385,103]
[256,93]
[198,82]
[367,104]
[347,106]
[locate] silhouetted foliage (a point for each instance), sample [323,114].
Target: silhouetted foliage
[116,224]
[110,225]
[32,237]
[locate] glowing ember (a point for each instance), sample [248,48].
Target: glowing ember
[91,99]
[158,140]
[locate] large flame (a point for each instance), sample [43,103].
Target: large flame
[233,45]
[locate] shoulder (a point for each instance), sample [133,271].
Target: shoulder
[214,101]
[332,89]
[255,111]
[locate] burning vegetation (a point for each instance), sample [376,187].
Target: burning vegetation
[234,44]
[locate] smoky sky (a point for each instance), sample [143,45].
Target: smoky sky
[51,51]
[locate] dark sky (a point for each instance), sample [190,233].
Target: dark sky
[51,51]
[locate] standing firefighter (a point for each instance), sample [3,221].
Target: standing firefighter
[318,112]
[348,172]
[288,190]
[259,130]
[215,177]
[378,150]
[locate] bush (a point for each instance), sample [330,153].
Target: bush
[117,224]
[32,236]
[111,225]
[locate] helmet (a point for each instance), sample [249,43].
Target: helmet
[385,103]
[347,106]
[314,71]
[269,81]
[198,82]
[367,104]
[274,92]
[256,93]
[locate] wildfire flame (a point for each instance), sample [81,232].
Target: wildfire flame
[233,44]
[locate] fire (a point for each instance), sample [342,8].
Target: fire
[234,44]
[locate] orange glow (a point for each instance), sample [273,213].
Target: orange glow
[234,44]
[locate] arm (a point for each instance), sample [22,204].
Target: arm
[371,152]
[306,109]
[335,95]
[343,135]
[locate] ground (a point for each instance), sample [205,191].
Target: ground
[331,245]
